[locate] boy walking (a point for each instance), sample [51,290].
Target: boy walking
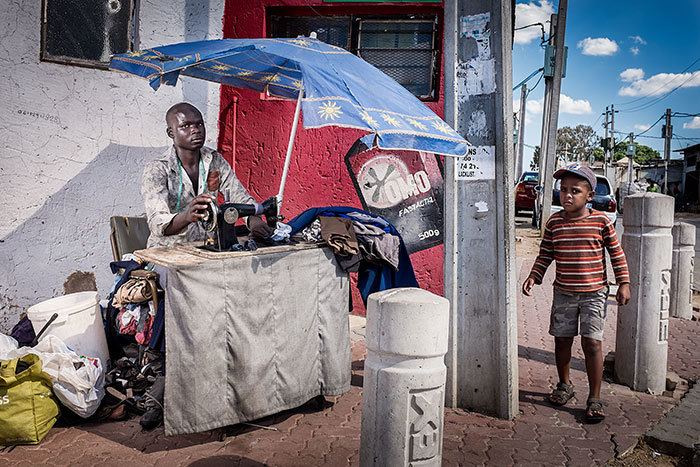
[575,238]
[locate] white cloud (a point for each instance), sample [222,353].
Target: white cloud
[638,40]
[568,105]
[641,127]
[530,13]
[694,124]
[533,107]
[632,74]
[598,46]
[660,84]
[634,50]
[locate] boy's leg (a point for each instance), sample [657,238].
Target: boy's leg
[562,356]
[592,349]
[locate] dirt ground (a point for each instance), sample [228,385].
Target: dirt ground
[644,455]
[527,239]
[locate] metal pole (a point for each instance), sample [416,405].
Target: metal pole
[482,360]
[607,145]
[290,145]
[521,134]
[668,132]
[612,143]
[551,128]
[544,135]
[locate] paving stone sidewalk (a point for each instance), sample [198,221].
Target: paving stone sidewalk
[541,435]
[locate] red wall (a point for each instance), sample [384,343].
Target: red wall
[317,173]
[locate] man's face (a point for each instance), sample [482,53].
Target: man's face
[574,193]
[186,128]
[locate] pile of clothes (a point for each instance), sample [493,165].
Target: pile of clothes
[362,243]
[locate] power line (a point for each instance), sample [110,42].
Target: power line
[660,98]
[527,79]
[660,87]
[655,123]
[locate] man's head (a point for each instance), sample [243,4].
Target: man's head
[185,126]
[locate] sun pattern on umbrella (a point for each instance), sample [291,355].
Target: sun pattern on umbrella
[417,124]
[270,79]
[442,126]
[300,42]
[329,110]
[220,68]
[368,118]
[296,83]
[245,73]
[391,120]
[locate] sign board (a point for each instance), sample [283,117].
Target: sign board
[478,164]
[404,187]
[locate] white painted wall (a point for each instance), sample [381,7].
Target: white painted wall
[74,143]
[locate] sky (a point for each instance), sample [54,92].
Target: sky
[642,56]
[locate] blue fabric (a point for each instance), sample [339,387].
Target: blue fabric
[371,277]
[340,89]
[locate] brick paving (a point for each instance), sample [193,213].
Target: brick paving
[541,435]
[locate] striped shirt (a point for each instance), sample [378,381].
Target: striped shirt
[577,247]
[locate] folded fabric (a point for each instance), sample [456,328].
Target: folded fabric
[312,232]
[376,245]
[281,232]
[340,235]
[132,291]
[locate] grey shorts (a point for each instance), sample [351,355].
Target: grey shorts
[569,307]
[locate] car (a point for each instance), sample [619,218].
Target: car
[603,200]
[525,192]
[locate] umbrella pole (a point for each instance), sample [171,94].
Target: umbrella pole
[289,149]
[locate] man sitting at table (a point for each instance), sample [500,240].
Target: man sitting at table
[173,185]
[177,187]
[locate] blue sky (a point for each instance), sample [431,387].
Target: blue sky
[631,54]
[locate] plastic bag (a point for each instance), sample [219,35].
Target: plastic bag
[78,382]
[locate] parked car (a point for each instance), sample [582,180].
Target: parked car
[525,192]
[603,200]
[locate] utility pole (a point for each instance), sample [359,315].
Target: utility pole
[480,268]
[630,160]
[612,143]
[521,134]
[553,117]
[668,133]
[606,155]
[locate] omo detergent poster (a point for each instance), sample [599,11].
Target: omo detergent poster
[404,187]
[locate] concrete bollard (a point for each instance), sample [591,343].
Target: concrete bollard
[682,270]
[641,344]
[403,396]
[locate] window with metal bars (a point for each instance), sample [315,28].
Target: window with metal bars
[86,33]
[405,47]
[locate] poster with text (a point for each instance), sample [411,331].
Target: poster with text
[404,187]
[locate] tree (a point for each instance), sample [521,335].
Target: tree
[643,155]
[535,162]
[578,143]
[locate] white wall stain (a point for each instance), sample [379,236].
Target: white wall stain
[477,124]
[76,140]
[481,206]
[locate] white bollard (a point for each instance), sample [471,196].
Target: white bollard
[682,270]
[641,344]
[403,396]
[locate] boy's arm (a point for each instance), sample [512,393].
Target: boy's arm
[544,258]
[617,255]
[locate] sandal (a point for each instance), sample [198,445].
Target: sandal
[562,394]
[594,410]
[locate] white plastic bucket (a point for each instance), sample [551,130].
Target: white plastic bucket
[79,323]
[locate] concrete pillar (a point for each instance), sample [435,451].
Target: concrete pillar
[641,345]
[682,270]
[404,382]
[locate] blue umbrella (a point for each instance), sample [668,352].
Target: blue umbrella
[333,86]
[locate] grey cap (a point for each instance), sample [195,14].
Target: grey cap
[580,171]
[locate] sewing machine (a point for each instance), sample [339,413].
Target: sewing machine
[219,221]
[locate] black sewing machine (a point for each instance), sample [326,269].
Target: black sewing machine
[219,222]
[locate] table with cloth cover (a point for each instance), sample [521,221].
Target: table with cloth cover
[249,334]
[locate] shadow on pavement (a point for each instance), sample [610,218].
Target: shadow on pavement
[224,460]
[547,356]
[540,398]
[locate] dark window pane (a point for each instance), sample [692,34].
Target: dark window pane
[87,30]
[602,187]
[331,30]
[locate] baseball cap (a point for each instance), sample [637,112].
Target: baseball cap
[580,171]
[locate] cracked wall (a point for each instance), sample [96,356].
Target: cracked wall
[76,140]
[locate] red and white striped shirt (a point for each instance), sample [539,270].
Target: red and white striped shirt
[577,247]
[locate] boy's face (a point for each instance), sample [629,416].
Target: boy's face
[574,193]
[186,128]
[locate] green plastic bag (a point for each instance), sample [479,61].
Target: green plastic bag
[28,407]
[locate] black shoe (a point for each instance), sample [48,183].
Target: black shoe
[154,405]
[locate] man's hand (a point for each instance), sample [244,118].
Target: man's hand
[527,286]
[195,210]
[259,228]
[623,294]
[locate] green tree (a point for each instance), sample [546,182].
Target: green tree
[535,162]
[643,155]
[578,143]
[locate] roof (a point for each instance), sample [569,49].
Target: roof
[693,148]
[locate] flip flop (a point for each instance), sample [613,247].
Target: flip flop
[562,394]
[595,412]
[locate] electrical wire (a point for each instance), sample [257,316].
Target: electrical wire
[660,87]
[646,105]
[652,126]
[527,79]
[536,84]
